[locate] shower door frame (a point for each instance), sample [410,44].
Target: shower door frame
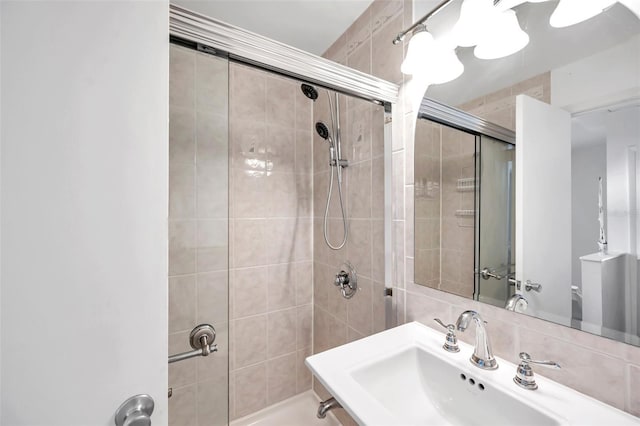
[254,49]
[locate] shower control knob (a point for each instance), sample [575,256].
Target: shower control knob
[342,278]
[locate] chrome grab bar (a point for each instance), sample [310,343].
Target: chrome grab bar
[201,340]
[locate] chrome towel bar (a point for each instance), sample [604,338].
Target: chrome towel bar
[201,340]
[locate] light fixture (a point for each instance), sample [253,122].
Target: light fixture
[432,60]
[571,12]
[505,38]
[420,43]
[444,65]
[472,24]
[510,4]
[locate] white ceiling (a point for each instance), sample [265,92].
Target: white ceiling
[310,25]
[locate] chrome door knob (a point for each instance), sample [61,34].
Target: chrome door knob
[135,411]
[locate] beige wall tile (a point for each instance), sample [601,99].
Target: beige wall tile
[250,340]
[281,147]
[250,243]
[360,58]
[212,77]
[213,297]
[381,13]
[281,286]
[282,332]
[359,246]
[304,318]
[386,56]
[251,389]
[359,190]
[281,378]
[249,288]
[304,283]
[182,190]
[303,375]
[182,303]
[182,247]
[359,131]
[182,406]
[360,308]
[304,151]
[247,100]
[280,101]
[280,234]
[182,69]
[182,137]
[213,245]
[212,406]
[359,32]
[633,404]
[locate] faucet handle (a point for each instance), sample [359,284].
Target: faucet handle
[524,373]
[451,341]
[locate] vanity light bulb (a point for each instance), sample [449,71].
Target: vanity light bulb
[416,60]
[472,25]
[506,37]
[571,12]
[445,65]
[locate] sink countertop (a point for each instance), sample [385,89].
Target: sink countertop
[334,369]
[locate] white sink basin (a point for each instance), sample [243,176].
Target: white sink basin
[403,377]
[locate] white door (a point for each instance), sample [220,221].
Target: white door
[543,207]
[84,210]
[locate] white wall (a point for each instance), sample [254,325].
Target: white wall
[84,209]
[623,128]
[587,163]
[602,79]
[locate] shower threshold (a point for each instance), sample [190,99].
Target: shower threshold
[299,410]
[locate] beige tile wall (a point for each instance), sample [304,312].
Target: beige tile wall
[365,46]
[271,267]
[198,236]
[444,254]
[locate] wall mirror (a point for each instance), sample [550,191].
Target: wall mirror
[525,166]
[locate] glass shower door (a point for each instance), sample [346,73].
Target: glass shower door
[495,195]
[198,233]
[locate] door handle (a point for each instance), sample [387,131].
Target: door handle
[135,411]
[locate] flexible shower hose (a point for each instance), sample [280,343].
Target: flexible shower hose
[338,167]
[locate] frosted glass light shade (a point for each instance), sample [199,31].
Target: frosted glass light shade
[509,4]
[571,12]
[506,37]
[472,24]
[444,65]
[415,61]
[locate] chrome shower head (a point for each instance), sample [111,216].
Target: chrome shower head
[309,91]
[323,131]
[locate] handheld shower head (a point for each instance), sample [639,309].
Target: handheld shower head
[323,131]
[309,91]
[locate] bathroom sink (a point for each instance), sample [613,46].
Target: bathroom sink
[403,376]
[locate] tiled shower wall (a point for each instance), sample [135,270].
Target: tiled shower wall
[198,242]
[444,218]
[271,228]
[365,46]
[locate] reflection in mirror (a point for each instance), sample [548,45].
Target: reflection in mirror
[525,228]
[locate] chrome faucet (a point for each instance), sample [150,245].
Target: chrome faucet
[516,301]
[482,356]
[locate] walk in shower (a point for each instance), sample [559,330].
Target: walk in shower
[253,154]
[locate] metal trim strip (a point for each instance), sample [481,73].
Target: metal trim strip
[270,54]
[450,116]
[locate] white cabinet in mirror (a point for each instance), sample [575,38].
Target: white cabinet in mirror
[523,225]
